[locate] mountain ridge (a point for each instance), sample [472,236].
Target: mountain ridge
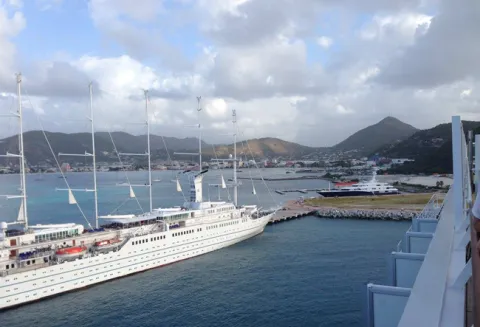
[371,138]
[431,150]
[37,150]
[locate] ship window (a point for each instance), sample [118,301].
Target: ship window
[133,243]
[33,261]
[28,262]
[8,266]
[13,265]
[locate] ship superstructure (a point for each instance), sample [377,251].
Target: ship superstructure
[45,260]
[371,187]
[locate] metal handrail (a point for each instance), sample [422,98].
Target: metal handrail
[474,239]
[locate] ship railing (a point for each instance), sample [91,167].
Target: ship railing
[438,296]
[475,281]
[431,210]
[474,286]
[400,242]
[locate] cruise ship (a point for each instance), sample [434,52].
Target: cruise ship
[433,278]
[40,261]
[372,187]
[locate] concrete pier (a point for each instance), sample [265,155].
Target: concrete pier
[289,214]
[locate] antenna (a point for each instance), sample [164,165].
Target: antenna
[148,150]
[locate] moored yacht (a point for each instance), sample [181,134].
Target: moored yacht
[371,187]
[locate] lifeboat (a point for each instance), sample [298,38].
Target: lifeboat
[107,244]
[71,252]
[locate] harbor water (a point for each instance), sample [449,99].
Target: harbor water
[308,272]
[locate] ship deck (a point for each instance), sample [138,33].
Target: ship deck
[434,277]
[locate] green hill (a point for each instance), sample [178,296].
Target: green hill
[388,130]
[38,152]
[431,149]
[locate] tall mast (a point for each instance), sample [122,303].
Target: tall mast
[22,154]
[93,156]
[71,197]
[235,190]
[199,134]
[148,152]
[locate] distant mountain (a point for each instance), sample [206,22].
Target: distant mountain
[38,152]
[431,149]
[265,148]
[388,130]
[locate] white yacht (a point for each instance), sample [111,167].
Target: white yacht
[371,187]
[39,261]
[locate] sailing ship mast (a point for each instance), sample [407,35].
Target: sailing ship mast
[148,150]
[22,217]
[147,153]
[199,153]
[199,134]
[94,162]
[22,155]
[235,188]
[71,197]
[234,159]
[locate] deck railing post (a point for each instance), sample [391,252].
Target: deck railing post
[457,154]
[473,244]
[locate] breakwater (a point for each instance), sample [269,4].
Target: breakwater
[287,214]
[368,214]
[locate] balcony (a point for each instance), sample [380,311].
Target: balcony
[431,270]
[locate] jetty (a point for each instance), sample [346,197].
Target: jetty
[386,207]
[293,178]
[289,214]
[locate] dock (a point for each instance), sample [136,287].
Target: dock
[289,214]
[387,207]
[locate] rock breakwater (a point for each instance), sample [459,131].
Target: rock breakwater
[368,214]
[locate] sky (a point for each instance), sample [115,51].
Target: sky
[306,71]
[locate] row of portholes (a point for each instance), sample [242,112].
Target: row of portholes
[119,272]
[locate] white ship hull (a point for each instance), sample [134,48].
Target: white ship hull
[138,254]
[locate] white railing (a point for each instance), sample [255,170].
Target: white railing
[431,211]
[438,295]
[432,208]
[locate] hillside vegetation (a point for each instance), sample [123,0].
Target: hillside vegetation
[431,149]
[387,131]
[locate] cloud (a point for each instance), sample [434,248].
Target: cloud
[131,25]
[446,53]
[267,59]
[325,42]
[12,22]
[276,68]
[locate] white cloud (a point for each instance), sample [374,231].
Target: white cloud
[401,28]
[11,24]
[325,42]
[257,57]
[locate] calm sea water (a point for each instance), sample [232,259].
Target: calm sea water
[308,272]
